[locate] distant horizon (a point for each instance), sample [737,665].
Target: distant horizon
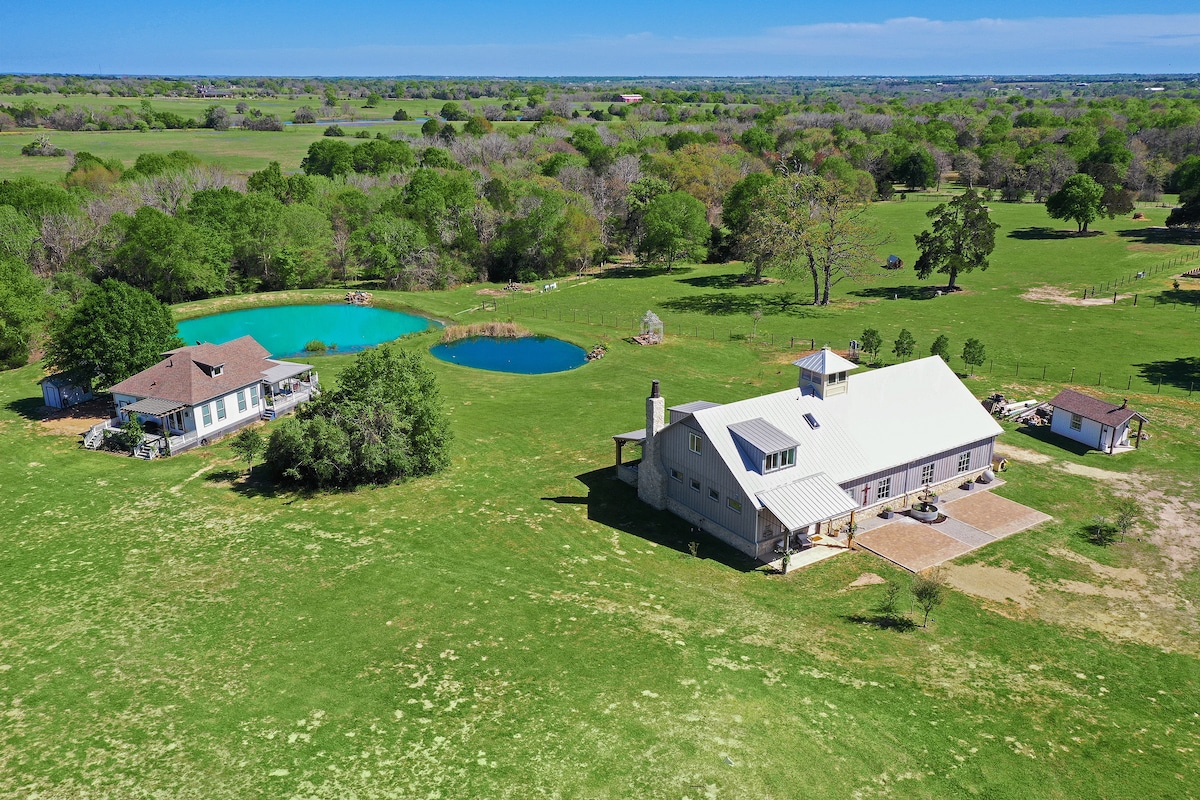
[461,38]
[1024,76]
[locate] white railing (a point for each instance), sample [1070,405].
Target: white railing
[95,434]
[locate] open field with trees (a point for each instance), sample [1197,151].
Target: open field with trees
[520,625]
[517,624]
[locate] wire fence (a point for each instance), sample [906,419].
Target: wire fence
[1170,266]
[1179,378]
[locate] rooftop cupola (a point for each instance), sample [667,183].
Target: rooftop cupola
[824,372]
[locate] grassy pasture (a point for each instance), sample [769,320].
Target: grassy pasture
[520,626]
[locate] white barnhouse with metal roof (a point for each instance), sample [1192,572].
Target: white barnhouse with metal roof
[802,460]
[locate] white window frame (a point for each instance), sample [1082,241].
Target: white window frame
[734,505]
[1076,422]
[778,460]
[695,442]
[927,474]
[221,409]
[964,462]
[883,488]
[714,495]
[206,414]
[241,396]
[676,475]
[695,484]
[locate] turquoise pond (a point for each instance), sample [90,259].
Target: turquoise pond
[285,330]
[528,355]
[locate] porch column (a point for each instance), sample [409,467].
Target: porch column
[620,445]
[1137,443]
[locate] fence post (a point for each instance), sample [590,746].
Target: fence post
[1072,380]
[1043,372]
[1018,369]
[1135,297]
[1114,297]
[1129,383]
[1100,379]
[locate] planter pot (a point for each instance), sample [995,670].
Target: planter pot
[887,514]
[987,477]
[924,512]
[969,486]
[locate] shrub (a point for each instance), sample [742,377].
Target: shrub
[334,130]
[315,346]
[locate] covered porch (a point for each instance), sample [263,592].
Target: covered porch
[286,386]
[628,472]
[805,511]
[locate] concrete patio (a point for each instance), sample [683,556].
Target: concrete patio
[973,519]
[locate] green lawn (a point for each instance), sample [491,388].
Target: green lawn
[520,626]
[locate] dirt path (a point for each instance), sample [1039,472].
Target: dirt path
[1055,294]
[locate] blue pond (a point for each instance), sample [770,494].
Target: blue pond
[285,330]
[528,355]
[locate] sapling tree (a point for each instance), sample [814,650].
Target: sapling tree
[928,589]
[870,342]
[973,352]
[247,445]
[905,344]
[941,347]
[1127,512]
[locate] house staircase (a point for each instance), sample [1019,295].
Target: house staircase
[268,413]
[144,451]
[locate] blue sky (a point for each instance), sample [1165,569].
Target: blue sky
[534,37]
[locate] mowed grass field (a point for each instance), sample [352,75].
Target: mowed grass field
[521,626]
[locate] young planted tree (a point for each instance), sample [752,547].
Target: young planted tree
[928,590]
[961,239]
[247,445]
[941,347]
[1127,512]
[905,344]
[871,342]
[973,352]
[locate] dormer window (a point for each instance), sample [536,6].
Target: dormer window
[837,377]
[779,460]
[217,370]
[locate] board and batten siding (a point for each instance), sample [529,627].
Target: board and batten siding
[707,468]
[1089,432]
[906,478]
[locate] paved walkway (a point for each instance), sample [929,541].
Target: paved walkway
[973,519]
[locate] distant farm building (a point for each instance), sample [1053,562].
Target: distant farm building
[630,98]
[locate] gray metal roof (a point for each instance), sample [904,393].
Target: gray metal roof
[152,406]
[887,417]
[693,407]
[813,499]
[763,435]
[282,370]
[633,436]
[825,362]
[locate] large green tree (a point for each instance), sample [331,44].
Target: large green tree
[961,238]
[676,226]
[167,256]
[384,423]
[809,224]
[20,309]
[1078,200]
[113,332]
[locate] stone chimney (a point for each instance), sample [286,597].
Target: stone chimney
[652,480]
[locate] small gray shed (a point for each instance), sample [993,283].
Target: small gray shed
[59,391]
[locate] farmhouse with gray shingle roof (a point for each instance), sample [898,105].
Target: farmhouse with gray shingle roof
[798,462]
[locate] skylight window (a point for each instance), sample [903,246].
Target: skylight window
[812,421]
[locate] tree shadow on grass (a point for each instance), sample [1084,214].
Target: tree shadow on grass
[1182,373]
[883,622]
[1042,433]
[720,304]
[257,483]
[899,292]
[615,504]
[728,281]
[1163,235]
[31,408]
[1042,233]
[1189,297]
[643,271]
